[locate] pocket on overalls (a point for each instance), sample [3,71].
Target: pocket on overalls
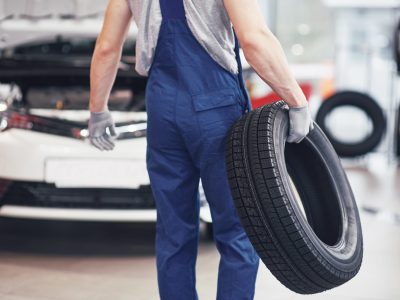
[216,111]
[214,99]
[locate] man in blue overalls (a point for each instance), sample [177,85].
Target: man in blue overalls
[195,93]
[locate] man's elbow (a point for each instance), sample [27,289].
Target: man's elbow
[106,49]
[255,41]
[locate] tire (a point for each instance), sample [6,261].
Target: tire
[306,256]
[364,103]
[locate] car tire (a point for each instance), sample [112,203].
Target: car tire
[362,102]
[307,252]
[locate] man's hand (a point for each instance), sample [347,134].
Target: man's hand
[300,123]
[98,123]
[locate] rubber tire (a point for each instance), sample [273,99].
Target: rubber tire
[291,247]
[364,103]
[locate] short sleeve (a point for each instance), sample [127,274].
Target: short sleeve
[135,7]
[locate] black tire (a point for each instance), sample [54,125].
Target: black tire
[306,256]
[364,103]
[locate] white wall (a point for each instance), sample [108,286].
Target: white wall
[40,8]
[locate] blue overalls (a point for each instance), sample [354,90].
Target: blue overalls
[191,104]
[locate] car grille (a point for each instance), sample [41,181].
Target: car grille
[66,128]
[39,194]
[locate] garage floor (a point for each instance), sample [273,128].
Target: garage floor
[70,261]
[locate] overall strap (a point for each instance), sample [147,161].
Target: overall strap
[172,9]
[240,74]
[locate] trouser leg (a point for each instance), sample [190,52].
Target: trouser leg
[239,262]
[174,180]
[175,186]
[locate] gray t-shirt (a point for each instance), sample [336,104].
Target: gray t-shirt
[207,19]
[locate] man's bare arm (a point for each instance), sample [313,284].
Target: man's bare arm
[263,51]
[107,53]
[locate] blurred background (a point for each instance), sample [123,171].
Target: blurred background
[69,230]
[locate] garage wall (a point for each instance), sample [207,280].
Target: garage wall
[42,8]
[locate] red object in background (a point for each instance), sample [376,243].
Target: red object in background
[273,97]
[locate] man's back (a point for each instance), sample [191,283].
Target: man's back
[207,20]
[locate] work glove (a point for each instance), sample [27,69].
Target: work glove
[98,123]
[300,123]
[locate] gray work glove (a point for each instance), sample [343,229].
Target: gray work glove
[98,123]
[300,123]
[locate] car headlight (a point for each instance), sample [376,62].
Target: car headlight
[3,106]
[9,93]
[3,123]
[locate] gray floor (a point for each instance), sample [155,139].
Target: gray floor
[71,261]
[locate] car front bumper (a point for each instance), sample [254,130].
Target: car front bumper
[58,177]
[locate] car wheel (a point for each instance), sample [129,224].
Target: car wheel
[359,101]
[294,201]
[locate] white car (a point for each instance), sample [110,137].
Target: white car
[48,169]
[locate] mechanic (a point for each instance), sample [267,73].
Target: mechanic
[195,92]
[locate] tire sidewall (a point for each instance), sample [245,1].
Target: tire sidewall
[347,253]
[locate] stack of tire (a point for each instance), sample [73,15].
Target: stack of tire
[294,201]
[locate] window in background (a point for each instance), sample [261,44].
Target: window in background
[305,30]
